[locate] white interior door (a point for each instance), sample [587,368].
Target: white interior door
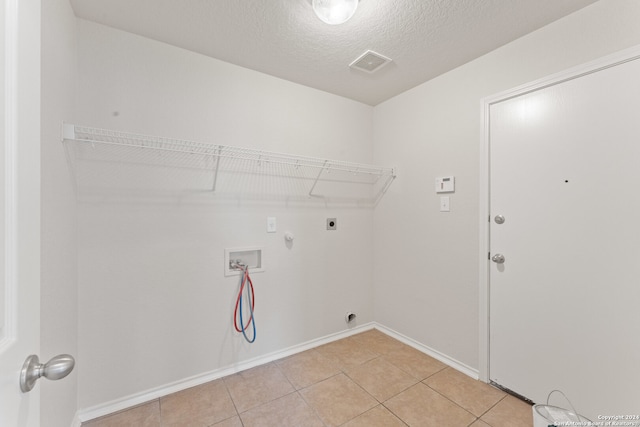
[19,206]
[565,304]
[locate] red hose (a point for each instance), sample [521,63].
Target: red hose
[245,278]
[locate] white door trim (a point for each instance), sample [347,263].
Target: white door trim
[484,207]
[9,284]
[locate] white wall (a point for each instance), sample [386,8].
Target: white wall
[426,262]
[58,293]
[154,306]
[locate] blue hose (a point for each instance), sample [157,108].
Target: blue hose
[253,321]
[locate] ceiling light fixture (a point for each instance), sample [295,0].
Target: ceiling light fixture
[334,12]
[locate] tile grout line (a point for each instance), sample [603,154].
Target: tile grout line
[491,407]
[315,411]
[390,397]
[361,388]
[484,413]
[420,380]
[296,390]
[342,371]
[450,400]
[226,387]
[394,414]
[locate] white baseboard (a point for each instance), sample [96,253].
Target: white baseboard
[101,410]
[455,364]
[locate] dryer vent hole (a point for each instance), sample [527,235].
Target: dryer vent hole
[350,317]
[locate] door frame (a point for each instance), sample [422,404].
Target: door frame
[485,185]
[21,81]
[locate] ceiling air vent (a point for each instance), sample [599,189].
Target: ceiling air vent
[370,62]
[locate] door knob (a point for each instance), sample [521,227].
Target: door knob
[498,258]
[57,368]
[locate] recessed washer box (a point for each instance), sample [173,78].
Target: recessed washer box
[251,256]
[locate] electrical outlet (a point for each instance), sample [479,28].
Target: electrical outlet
[332,223]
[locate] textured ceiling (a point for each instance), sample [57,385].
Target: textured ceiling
[284,38]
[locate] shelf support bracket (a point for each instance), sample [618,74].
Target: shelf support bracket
[389,181]
[215,175]
[317,178]
[386,185]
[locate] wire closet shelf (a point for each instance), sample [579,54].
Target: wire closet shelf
[167,152]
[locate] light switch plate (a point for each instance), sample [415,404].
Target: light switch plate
[444,204]
[271,224]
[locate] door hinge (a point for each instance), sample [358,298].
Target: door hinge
[488,255]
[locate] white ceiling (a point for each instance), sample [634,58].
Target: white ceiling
[284,38]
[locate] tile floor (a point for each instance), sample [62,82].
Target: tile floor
[367,380]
